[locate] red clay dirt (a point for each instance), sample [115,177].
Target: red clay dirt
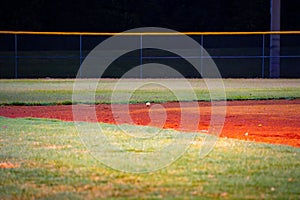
[270,121]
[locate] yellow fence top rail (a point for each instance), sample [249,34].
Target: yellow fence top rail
[149,33]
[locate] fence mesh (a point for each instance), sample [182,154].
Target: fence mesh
[59,55]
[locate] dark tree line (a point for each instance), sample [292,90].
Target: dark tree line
[121,15]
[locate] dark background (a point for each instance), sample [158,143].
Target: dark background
[58,56]
[121,15]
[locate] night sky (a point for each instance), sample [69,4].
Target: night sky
[121,15]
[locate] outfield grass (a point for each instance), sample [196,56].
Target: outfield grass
[59,91]
[51,163]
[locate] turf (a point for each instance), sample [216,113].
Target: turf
[50,162]
[59,91]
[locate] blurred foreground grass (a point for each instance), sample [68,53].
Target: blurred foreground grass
[48,160]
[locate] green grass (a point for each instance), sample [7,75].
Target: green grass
[52,163]
[59,91]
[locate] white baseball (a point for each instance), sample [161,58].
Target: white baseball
[148,104]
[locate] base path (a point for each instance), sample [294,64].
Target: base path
[270,121]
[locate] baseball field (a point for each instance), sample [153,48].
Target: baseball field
[256,156]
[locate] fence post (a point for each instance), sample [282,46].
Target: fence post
[141,56]
[263,57]
[16,56]
[80,54]
[201,56]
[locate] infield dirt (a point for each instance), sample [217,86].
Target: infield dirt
[270,121]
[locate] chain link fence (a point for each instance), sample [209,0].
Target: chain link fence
[59,55]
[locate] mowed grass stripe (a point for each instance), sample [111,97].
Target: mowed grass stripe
[60,91]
